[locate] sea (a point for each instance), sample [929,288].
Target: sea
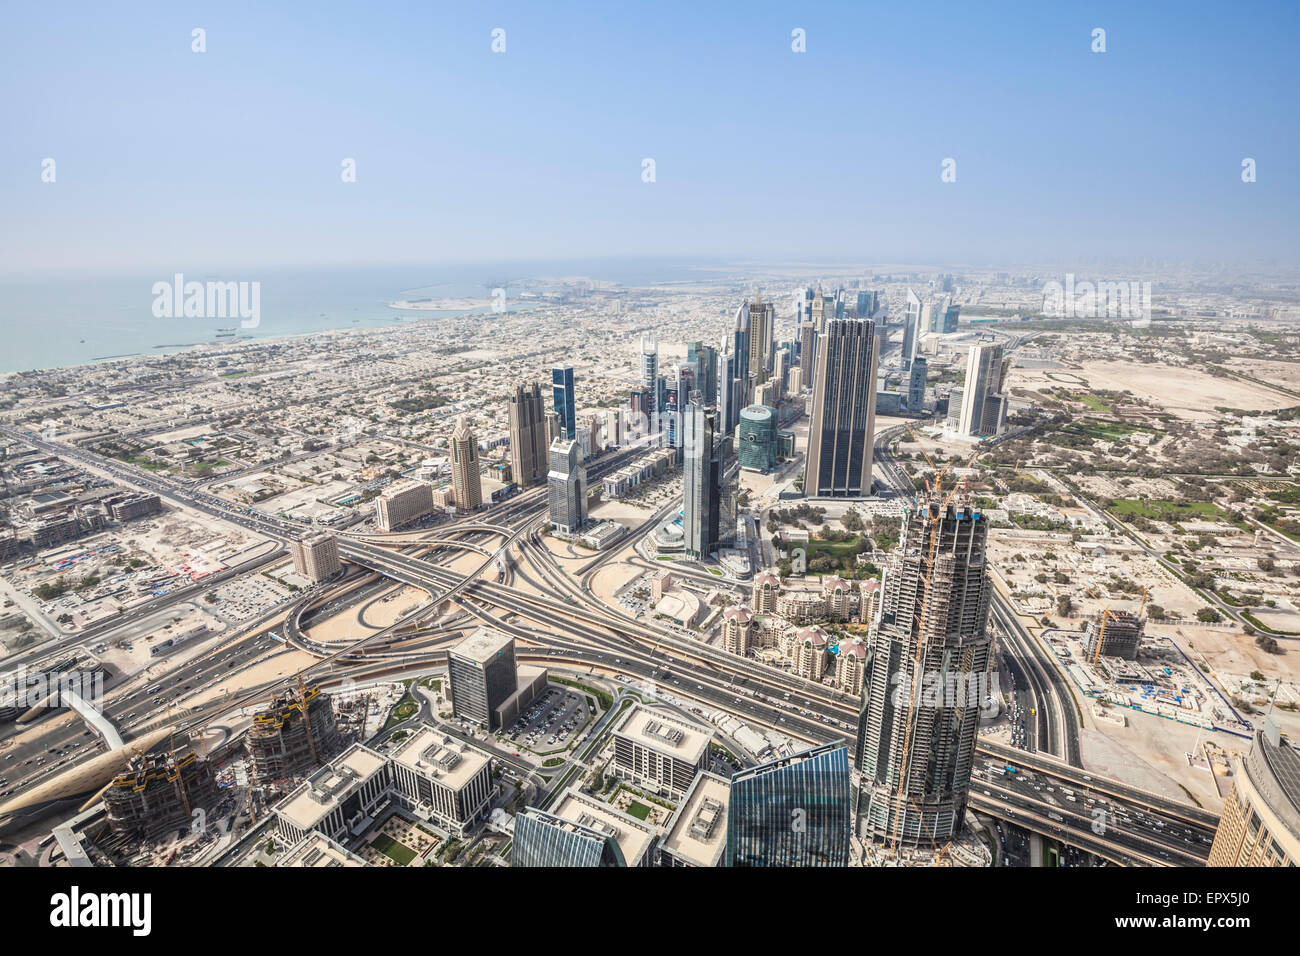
[52,321]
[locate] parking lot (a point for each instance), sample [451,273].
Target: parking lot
[550,722]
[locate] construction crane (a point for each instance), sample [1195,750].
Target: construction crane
[176,765]
[1105,617]
[306,718]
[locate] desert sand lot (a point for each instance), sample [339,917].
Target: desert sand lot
[1283,373]
[1183,392]
[1151,753]
[1229,650]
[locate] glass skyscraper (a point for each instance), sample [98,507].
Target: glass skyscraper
[565,407]
[543,839]
[796,811]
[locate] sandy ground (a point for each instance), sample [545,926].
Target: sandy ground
[1184,392]
[1283,373]
[1151,753]
[280,664]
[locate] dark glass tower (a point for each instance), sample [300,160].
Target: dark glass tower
[543,839]
[565,407]
[796,811]
[844,411]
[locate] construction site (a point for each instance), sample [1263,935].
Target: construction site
[291,735]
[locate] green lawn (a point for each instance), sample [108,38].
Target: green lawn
[399,853]
[1154,508]
[1095,402]
[638,810]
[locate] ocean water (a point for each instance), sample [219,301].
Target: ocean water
[56,321]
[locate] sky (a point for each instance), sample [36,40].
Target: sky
[166,158]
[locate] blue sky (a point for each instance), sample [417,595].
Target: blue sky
[168,158]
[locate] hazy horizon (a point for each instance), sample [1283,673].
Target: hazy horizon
[232,158]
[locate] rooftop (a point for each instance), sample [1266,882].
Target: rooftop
[697,832]
[329,786]
[432,754]
[483,645]
[634,837]
[665,733]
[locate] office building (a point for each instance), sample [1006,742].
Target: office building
[911,331]
[658,751]
[704,360]
[564,400]
[1260,825]
[568,487]
[796,811]
[136,506]
[983,407]
[650,385]
[442,780]
[401,503]
[543,839]
[528,441]
[762,325]
[930,652]
[481,671]
[701,483]
[843,423]
[740,346]
[756,438]
[316,557]
[1118,632]
[466,484]
[916,385]
[696,833]
[339,800]
[582,831]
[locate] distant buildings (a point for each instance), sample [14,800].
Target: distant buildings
[762,325]
[658,751]
[137,506]
[756,446]
[401,503]
[843,423]
[920,716]
[648,395]
[916,385]
[564,401]
[796,811]
[983,406]
[465,478]
[316,557]
[528,441]
[911,331]
[1260,825]
[568,487]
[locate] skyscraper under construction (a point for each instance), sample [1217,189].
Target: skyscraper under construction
[929,660]
[158,791]
[281,744]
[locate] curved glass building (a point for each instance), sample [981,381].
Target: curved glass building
[756,438]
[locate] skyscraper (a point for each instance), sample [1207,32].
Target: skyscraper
[740,338]
[728,400]
[796,811]
[650,384]
[916,385]
[568,487]
[481,672]
[762,324]
[929,673]
[701,482]
[528,440]
[704,360]
[911,330]
[844,412]
[564,402]
[465,483]
[1260,825]
[543,839]
[983,407]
